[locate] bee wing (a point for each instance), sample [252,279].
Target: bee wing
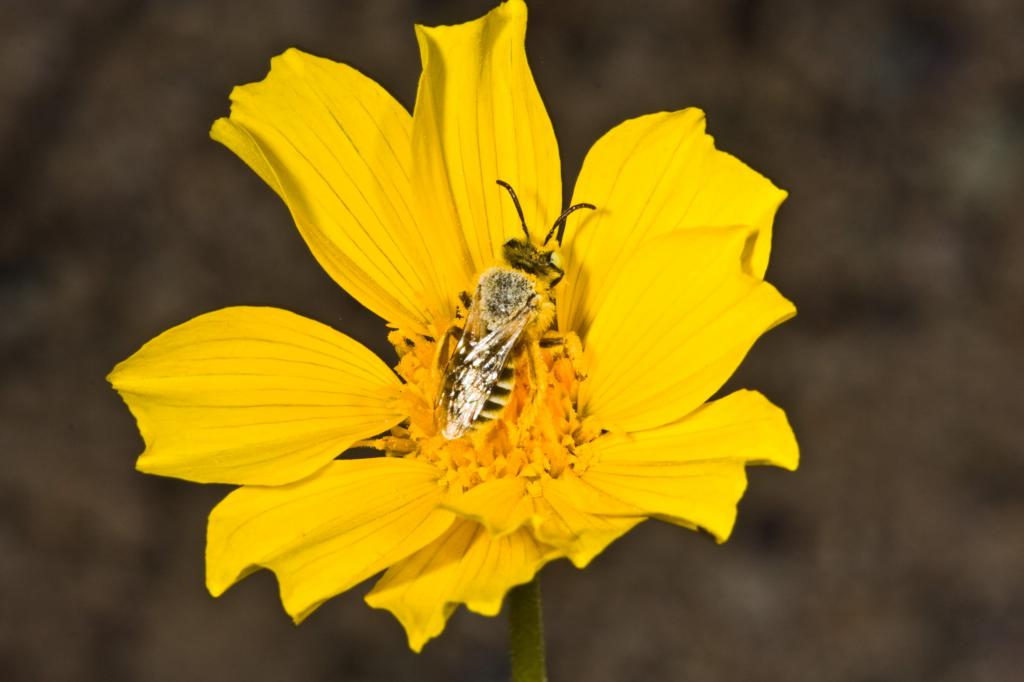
[475,367]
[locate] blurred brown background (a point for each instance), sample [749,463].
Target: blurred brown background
[895,553]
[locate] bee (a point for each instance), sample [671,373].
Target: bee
[511,307]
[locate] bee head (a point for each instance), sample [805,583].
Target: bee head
[544,264]
[522,254]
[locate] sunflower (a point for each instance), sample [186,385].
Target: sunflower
[662,296]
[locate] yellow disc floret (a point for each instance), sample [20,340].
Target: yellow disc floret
[538,433]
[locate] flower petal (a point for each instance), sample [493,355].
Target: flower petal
[253,395]
[580,521]
[556,515]
[327,533]
[479,118]
[677,321]
[648,176]
[692,472]
[502,505]
[336,147]
[467,565]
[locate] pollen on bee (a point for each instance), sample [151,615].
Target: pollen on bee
[503,292]
[537,433]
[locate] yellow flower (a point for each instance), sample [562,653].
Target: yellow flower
[661,298]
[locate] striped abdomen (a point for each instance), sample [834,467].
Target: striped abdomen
[499,396]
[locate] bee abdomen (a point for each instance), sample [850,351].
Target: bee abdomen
[499,396]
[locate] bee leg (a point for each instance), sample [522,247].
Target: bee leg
[538,372]
[573,350]
[443,351]
[551,340]
[570,347]
[392,446]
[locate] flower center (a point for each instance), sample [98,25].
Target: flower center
[538,433]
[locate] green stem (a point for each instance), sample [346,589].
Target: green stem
[526,633]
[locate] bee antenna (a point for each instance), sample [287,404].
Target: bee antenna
[519,209]
[560,223]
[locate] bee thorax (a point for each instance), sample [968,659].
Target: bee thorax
[502,294]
